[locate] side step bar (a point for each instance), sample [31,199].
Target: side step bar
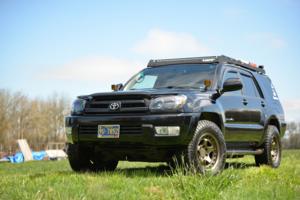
[244,152]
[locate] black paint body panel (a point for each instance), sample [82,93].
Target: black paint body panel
[243,125]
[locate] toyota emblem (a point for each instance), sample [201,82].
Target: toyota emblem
[114,106]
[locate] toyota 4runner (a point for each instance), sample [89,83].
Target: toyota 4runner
[205,109]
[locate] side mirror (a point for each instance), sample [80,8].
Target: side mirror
[116,87]
[232,84]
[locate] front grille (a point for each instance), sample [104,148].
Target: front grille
[88,129]
[124,129]
[100,106]
[132,129]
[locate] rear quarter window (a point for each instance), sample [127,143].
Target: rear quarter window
[267,87]
[274,93]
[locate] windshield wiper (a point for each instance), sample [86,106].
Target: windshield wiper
[178,87]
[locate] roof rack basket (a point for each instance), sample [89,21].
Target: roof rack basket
[207,59]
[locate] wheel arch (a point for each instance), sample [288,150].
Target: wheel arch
[275,122]
[213,117]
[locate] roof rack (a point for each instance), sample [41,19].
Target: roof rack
[207,59]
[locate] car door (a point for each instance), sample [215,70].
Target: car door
[234,110]
[253,104]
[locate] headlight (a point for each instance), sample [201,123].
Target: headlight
[167,103]
[78,106]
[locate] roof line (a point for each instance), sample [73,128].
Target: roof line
[204,60]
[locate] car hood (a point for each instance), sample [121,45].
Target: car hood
[196,99]
[149,93]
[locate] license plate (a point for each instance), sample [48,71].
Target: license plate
[108,131]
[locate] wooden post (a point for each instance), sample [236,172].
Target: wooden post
[24,147]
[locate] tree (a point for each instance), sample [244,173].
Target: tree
[37,120]
[292,137]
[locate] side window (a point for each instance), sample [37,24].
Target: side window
[231,74]
[275,96]
[249,87]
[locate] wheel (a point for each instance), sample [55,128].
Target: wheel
[77,158]
[83,159]
[104,165]
[206,151]
[272,149]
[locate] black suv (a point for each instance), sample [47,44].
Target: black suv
[203,109]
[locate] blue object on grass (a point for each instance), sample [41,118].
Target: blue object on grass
[19,158]
[38,155]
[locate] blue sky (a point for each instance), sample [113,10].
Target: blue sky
[80,47]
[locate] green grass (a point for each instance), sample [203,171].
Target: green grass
[241,180]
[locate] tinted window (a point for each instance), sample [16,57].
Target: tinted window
[249,87]
[231,74]
[266,87]
[275,96]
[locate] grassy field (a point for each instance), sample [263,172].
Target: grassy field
[240,180]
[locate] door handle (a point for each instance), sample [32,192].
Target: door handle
[245,102]
[263,104]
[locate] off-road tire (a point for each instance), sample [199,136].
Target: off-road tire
[265,158]
[77,158]
[82,159]
[211,130]
[104,165]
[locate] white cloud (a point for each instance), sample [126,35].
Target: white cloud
[277,43]
[163,44]
[104,70]
[292,109]
[292,104]
[269,40]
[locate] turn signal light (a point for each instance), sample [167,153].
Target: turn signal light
[252,64]
[207,83]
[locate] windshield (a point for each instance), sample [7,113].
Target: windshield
[189,76]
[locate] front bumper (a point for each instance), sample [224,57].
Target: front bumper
[186,121]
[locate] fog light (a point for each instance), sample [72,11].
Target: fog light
[167,130]
[69,130]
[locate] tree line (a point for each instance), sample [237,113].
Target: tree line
[40,121]
[292,136]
